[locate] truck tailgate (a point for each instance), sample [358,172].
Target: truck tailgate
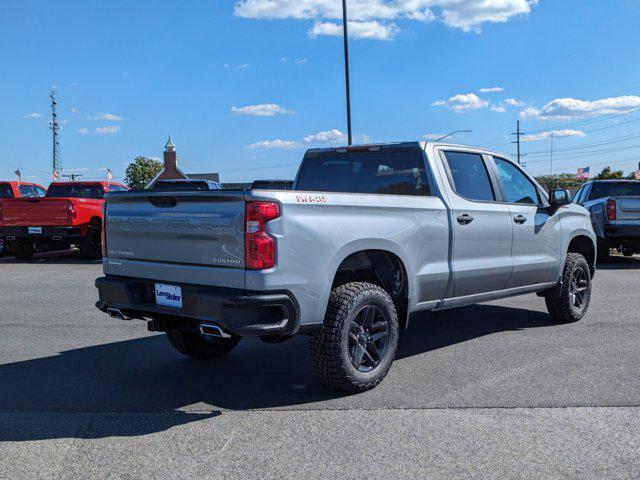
[185,237]
[27,212]
[628,208]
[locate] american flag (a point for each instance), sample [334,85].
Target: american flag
[583,173]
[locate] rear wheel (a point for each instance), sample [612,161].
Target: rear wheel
[22,250]
[90,246]
[354,349]
[194,346]
[627,251]
[573,302]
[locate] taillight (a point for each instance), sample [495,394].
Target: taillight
[611,209]
[71,210]
[259,246]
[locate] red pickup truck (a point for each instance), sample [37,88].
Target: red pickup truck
[69,214]
[17,190]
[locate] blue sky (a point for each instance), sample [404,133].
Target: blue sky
[244,87]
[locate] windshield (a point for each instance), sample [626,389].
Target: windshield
[622,189]
[75,191]
[396,172]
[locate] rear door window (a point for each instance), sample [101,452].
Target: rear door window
[5,191]
[470,177]
[386,171]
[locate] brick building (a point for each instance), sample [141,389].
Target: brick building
[170,171]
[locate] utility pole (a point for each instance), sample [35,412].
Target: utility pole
[346,68]
[551,153]
[517,142]
[55,128]
[72,176]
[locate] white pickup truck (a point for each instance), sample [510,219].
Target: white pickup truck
[369,235]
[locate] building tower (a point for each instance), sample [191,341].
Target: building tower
[55,128]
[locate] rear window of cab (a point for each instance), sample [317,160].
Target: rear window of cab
[391,172]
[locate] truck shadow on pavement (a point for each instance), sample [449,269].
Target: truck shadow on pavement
[141,386]
[620,263]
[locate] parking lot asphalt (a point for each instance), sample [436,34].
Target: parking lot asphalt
[490,391]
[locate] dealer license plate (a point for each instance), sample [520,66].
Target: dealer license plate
[168,295]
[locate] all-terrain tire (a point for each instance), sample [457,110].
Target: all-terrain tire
[330,344]
[563,308]
[194,346]
[90,246]
[22,250]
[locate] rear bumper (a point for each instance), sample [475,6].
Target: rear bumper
[48,234]
[246,314]
[616,235]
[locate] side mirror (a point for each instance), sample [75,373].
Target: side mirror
[558,198]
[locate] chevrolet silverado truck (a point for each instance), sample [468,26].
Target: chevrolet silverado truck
[614,206]
[17,190]
[69,214]
[368,235]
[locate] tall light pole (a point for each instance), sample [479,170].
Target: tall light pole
[452,133]
[346,68]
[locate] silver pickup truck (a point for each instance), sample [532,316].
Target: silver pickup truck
[369,235]
[614,206]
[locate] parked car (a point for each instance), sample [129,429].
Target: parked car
[17,190]
[614,206]
[185,185]
[69,214]
[368,235]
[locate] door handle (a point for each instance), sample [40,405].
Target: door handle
[520,219]
[465,219]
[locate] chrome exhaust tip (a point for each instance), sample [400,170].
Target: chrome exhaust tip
[209,330]
[117,313]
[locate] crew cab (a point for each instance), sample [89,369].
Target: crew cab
[69,214]
[614,206]
[368,236]
[17,190]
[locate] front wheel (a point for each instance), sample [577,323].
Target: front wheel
[194,346]
[354,349]
[573,302]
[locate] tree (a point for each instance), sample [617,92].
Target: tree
[141,171]
[562,180]
[608,174]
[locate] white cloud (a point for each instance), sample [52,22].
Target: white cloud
[326,136]
[468,15]
[462,103]
[76,170]
[300,61]
[83,130]
[273,144]
[262,110]
[108,130]
[242,66]
[498,108]
[373,30]
[107,116]
[75,110]
[491,90]
[513,102]
[33,115]
[555,133]
[567,108]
